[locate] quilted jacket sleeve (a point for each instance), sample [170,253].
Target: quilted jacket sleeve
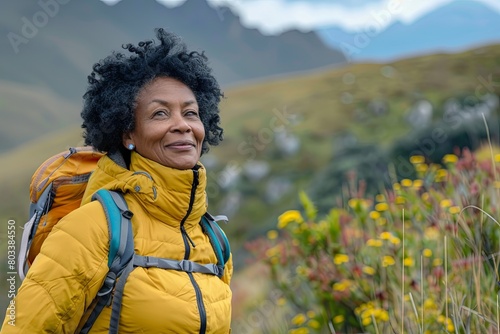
[228,271]
[65,276]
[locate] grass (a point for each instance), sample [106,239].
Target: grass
[321,115]
[420,257]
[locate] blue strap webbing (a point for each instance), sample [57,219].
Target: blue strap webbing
[121,249]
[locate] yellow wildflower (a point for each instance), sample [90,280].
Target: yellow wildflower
[374,243]
[395,240]
[281,301]
[314,324]
[353,202]
[311,314]
[382,207]
[301,330]
[454,210]
[288,217]
[380,198]
[400,200]
[406,183]
[408,262]
[342,285]
[338,319]
[450,158]
[425,197]
[368,312]
[437,262]
[422,168]
[430,304]
[301,271]
[427,252]
[340,258]
[368,270]
[388,261]
[441,173]
[497,157]
[431,232]
[445,203]
[381,221]
[299,319]
[396,186]
[417,159]
[383,315]
[374,215]
[385,235]
[273,251]
[366,321]
[273,234]
[417,184]
[449,325]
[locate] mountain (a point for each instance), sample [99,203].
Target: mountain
[51,45]
[56,45]
[454,27]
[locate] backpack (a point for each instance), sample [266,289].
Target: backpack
[57,188]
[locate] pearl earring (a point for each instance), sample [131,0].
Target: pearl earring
[131,146]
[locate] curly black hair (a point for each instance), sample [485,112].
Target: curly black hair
[110,99]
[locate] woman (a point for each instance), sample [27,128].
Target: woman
[154,113]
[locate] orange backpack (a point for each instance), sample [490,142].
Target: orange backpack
[56,189]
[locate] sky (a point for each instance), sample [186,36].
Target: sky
[275,16]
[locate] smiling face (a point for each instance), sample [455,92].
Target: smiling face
[168,128]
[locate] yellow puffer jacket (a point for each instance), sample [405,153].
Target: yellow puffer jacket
[72,264]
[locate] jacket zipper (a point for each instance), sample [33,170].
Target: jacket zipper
[185,236]
[188,241]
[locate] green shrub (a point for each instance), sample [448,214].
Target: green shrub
[422,257]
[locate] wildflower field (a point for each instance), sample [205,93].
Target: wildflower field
[418,257]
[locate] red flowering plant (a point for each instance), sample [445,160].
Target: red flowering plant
[420,257]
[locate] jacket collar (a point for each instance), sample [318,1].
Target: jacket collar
[163,192]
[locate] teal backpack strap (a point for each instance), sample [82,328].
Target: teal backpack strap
[217,238]
[121,252]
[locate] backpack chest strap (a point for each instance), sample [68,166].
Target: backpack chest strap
[182,265]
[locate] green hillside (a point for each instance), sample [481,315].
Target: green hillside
[29,111]
[364,105]
[330,106]
[319,109]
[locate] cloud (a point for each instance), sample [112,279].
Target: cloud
[275,16]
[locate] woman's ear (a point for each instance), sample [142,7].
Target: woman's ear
[128,141]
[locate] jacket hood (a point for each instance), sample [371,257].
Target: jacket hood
[163,191]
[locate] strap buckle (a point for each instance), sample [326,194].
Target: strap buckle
[108,285]
[186,265]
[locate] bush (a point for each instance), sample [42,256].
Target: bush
[422,257]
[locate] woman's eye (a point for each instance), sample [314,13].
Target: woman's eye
[160,113]
[191,113]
